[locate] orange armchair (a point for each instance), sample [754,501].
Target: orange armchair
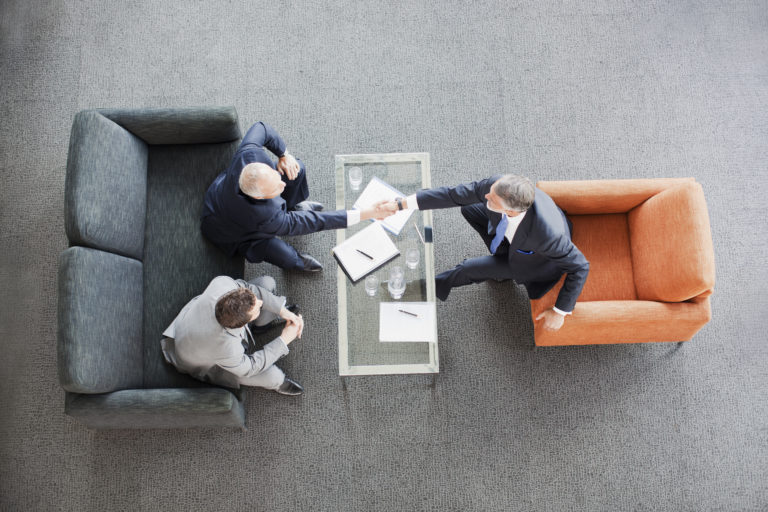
[652,266]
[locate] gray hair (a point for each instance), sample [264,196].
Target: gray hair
[516,192]
[251,178]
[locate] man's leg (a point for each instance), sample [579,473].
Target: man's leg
[477,217]
[296,190]
[265,317]
[472,270]
[271,378]
[274,251]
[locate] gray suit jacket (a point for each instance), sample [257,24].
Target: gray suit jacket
[198,345]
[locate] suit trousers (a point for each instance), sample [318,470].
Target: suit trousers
[272,377]
[476,270]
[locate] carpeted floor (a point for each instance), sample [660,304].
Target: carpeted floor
[550,89]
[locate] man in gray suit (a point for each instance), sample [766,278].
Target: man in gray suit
[211,339]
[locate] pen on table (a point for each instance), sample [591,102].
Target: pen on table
[365,254]
[419,233]
[408,313]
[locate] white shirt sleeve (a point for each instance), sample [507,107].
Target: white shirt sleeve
[561,312]
[412,203]
[353,217]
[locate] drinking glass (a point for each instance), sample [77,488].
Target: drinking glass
[355,177]
[371,284]
[412,258]
[396,285]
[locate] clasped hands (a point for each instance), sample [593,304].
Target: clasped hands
[380,210]
[294,326]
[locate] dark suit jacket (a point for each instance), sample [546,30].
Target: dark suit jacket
[541,250]
[232,220]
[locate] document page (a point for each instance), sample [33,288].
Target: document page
[407,321]
[378,190]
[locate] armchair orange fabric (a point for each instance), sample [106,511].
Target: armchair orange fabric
[652,266]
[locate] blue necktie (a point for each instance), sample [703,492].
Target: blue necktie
[501,230]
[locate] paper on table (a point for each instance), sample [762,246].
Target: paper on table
[374,242]
[379,190]
[397,326]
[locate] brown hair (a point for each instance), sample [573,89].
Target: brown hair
[233,309]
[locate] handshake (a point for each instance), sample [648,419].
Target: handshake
[380,210]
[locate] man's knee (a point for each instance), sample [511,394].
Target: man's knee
[266,282]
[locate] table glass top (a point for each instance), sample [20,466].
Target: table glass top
[360,351]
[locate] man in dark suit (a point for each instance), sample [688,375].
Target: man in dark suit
[253,202]
[528,236]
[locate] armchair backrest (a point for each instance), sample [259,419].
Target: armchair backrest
[671,244]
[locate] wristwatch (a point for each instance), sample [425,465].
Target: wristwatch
[399,203]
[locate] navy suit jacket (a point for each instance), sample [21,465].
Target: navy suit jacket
[232,220]
[541,250]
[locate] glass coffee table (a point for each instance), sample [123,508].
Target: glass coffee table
[360,351]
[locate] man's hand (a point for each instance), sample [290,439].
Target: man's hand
[291,318]
[288,166]
[379,211]
[552,319]
[292,330]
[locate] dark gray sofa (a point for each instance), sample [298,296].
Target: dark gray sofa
[133,198]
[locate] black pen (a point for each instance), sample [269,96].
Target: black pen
[408,313]
[365,254]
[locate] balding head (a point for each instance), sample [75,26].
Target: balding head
[260,181]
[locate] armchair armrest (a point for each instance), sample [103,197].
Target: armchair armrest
[157,408]
[191,125]
[605,196]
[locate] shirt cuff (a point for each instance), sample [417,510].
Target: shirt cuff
[353,217]
[412,203]
[561,312]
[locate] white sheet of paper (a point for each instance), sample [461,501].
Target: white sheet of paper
[397,326]
[373,241]
[379,190]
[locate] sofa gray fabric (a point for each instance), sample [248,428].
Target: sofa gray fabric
[139,205]
[100,317]
[158,408]
[192,125]
[105,187]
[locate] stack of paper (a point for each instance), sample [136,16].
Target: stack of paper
[378,190]
[365,251]
[407,321]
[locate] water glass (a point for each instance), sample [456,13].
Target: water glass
[396,285]
[355,177]
[371,284]
[412,258]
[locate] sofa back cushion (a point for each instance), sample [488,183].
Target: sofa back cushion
[106,186]
[190,125]
[100,319]
[671,242]
[178,262]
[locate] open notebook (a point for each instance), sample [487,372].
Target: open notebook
[365,251]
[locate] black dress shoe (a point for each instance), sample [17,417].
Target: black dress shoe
[290,388]
[308,206]
[310,263]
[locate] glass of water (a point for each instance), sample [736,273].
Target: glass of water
[412,258]
[396,285]
[371,284]
[355,177]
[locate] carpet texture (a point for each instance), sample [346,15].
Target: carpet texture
[553,90]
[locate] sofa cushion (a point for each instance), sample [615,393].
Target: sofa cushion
[192,125]
[672,254]
[100,319]
[106,186]
[178,262]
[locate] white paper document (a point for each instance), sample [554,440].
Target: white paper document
[408,321]
[378,190]
[365,251]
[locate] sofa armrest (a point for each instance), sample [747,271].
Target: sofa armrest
[626,321]
[191,125]
[605,196]
[157,408]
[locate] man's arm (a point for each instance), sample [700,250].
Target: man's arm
[460,195]
[263,135]
[570,260]
[292,223]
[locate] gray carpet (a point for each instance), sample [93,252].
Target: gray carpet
[550,89]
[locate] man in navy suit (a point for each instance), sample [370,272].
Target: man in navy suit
[253,202]
[528,236]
